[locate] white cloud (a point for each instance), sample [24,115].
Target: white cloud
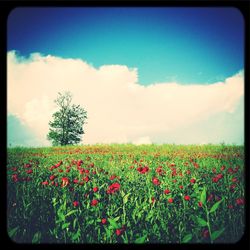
[119,108]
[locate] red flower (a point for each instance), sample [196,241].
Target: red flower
[86,171]
[112,177]
[95,189]
[113,188]
[192,180]
[170,200]
[200,204]
[240,201]
[30,171]
[187,197]
[67,170]
[94,202]
[153,199]
[205,233]
[79,163]
[188,172]
[75,203]
[222,168]
[210,197]
[45,183]
[60,170]
[156,181]
[181,187]
[166,191]
[75,181]
[86,178]
[104,221]
[118,232]
[65,181]
[52,177]
[234,179]
[230,206]
[27,165]
[14,177]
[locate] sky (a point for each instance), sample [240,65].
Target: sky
[144,75]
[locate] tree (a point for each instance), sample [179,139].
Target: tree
[67,124]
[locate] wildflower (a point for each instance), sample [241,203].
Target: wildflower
[170,200]
[94,202]
[52,177]
[205,233]
[86,179]
[181,187]
[112,177]
[240,201]
[95,189]
[153,199]
[104,221]
[65,181]
[15,177]
[200,204]
[222,168]
[45,183]
[166,191]
[113,188]
[156,181]
[30,171]
[75,181]
[193,180]
[75,203]
[187,197]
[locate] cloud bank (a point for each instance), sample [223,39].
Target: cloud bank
[120,110]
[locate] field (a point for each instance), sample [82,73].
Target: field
[126,194]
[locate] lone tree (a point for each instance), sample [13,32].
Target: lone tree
[67,124]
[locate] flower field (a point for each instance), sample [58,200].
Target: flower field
[126,194]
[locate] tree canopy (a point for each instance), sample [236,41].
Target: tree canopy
[67,124]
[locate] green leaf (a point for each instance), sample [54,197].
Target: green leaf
[203,196]
[70,212]
[125,198]
[201,222]
[141,239]
[13,231]
[65,225]
[113,223]
[217,234]
[36,238]
[187,238]
[215,206]
[76,235]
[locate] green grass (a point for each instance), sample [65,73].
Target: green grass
[45,213]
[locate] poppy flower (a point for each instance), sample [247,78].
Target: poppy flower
[94,203]
[60,170]
[240,201]
[188,172]
[230,206]
[153,199]
[156,181]
[85,179]
[222,168]
[45,183]
[79,163]
[187,197]
[75,203]
[170,200]
[193,180]
[65,181]
[166,191]
[75,181]
[67,170]
[205,233]
[234,179]
[27,165]
[30,171]
[104,221]
[181,187]
[200,204]
[15,177]
[95,189]
[112,177]
[113,188]
[52,177]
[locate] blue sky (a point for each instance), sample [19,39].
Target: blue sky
[190,45]
[137,59]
